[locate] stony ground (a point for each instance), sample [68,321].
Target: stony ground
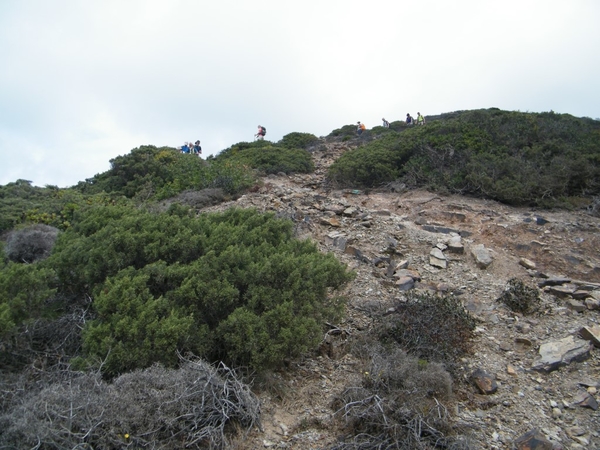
[527,244]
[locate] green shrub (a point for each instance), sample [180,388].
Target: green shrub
[299,140]
[271,159]
[234,286]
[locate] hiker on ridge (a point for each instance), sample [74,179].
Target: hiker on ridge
[409,119]
[260,135]
[197,148]
[420,119]
[360,127]
[386,124]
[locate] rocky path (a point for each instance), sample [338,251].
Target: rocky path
[546,375]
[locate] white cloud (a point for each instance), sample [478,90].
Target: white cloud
[83,82]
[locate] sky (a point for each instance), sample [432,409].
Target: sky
[84,81]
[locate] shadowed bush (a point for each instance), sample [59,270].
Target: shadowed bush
[31,243]
[520,298]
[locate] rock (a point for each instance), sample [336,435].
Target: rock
[585,400]
[580,294]
[591,333]
[331,221]
[575,305]
[528,264]
[405,283]
[533,440]
[437,258]
[553,355]
[560,291]
[553,281]
[408,273]
[337,240]
[485,382]
[455,245]
[482,256]
[511,370]
[592,304]
[350,212]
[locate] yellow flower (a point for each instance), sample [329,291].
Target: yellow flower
[126,435]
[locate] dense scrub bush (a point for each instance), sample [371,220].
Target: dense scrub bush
[345,131]
[267,158]
[370,165]
[195,406]
[299,140]
[150,172]
[516,158]
[431,327]
[234,286]
[25,290]
[520,298]
[31,243]
[398,404]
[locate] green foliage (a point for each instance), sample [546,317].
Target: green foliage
[150,172]
[267,158]
[345,131]
[372,164]
[24,291]
[520,298]
[234,286]
[299,140]
[517,158]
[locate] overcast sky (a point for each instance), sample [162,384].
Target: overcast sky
[83,81]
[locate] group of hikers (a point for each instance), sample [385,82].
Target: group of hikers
[194,148]
[420,120]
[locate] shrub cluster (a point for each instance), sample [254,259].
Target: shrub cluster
[234,286]
[516,158]
[520,298]
[398,404]
[195,406]
[431,327]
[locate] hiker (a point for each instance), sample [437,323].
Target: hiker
[409,119]
[197,148]
[420,119]
[261,133]
[386,124]
[185,148]
[360,127]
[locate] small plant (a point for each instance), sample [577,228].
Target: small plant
[431,327]
[520,298]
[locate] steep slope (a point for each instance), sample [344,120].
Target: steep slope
[360,227]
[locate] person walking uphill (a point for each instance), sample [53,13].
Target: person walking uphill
[409,119]
[420,119]
[386,124]
[260,135]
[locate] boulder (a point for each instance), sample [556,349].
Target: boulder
[482,256]
[553,355]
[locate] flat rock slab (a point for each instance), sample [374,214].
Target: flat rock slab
[553,355]
[533,440]
[592,334]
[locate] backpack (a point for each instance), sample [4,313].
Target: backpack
[263,130]
[362,126]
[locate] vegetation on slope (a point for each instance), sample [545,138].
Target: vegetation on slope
[544,159]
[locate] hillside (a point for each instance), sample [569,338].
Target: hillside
[559,243]
[408,239]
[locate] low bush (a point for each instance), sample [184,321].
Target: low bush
[431,327]
[520,298]
[195,406]
[299,140]
[31,243]
[398,404]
